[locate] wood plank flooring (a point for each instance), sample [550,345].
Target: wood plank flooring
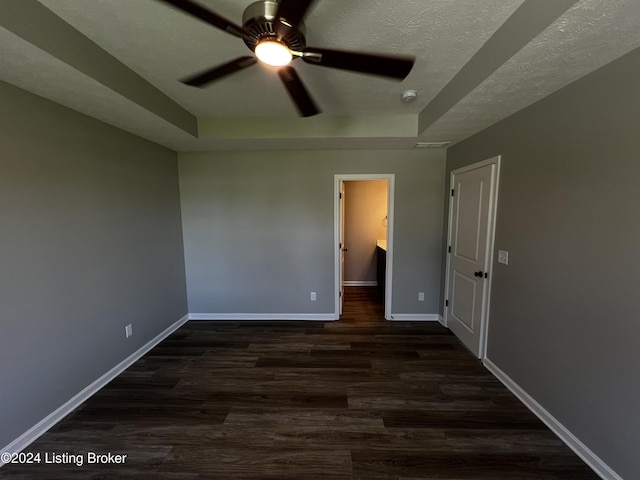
[360,398]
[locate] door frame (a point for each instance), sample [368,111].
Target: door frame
[491,231]
[338,179]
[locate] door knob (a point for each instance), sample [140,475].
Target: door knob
[478,274]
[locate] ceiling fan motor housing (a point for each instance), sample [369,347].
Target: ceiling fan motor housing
[259,18]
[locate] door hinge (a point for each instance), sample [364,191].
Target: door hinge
[453,192]
[449,248]
[340,195]
[486,275]
[446,303]
[340,293]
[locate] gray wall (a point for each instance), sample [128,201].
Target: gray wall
[259,228]
[364,211]
[565,313]
[91,241]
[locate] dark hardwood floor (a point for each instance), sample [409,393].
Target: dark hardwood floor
[360,398]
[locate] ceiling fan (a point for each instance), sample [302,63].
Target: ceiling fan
[274,30]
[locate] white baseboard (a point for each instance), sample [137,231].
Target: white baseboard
[31,435]
[360,283]
[263,316]
[442,320]
[415,317]
[580,449]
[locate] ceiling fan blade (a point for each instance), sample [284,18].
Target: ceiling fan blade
[209,17]
[293,11]
[385,65]
[298,93]
[216,73]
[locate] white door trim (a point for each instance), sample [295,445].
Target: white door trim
[338,178]
[484,325]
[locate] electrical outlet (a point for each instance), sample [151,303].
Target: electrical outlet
[421,296]
[128,330]
[313,296]
[503,257]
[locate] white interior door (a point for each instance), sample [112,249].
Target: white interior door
[471,239]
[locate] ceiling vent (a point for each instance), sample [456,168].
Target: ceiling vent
[431,144]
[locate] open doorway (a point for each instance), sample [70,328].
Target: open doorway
[364,235]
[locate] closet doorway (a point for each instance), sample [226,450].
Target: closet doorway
[364,235]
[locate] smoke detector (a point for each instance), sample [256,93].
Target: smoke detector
[409,96]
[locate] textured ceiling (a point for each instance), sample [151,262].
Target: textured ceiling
[589,35]
[563,40]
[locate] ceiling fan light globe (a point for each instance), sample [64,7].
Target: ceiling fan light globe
[273,53]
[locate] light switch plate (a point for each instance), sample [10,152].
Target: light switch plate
[503,257]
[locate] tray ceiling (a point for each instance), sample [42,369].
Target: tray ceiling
[477,62]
